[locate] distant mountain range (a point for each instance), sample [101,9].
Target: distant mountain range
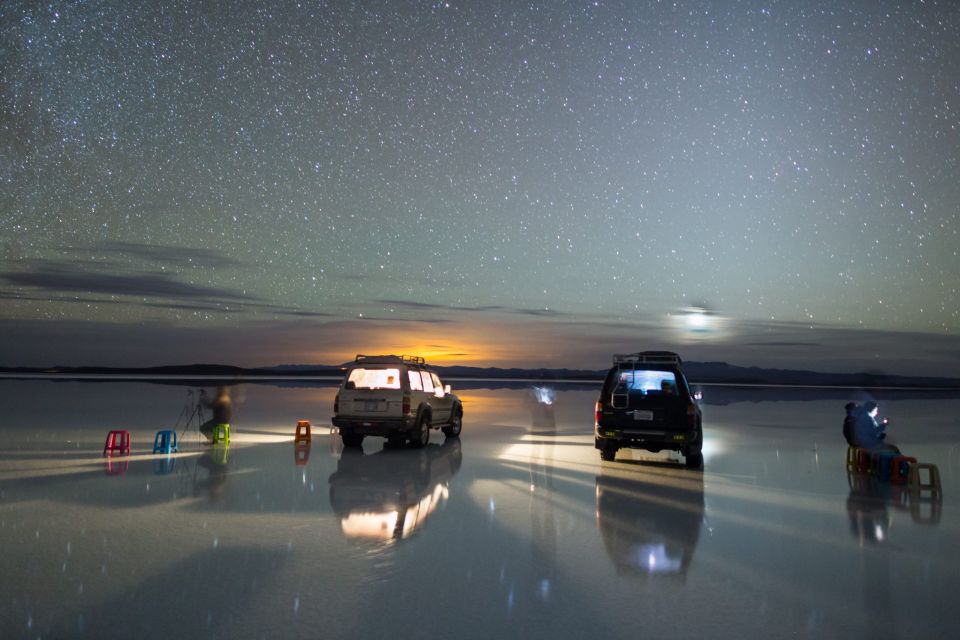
[698,372]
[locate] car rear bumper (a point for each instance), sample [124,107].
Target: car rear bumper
[651,439]
[374,426]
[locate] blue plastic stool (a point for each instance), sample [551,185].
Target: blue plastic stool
[165,442]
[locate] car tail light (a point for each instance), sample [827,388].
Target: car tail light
[406,404]
[336,404]
[597,412]
[691,415]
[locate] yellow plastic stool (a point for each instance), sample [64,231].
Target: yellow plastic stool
[852,459]
[221,433]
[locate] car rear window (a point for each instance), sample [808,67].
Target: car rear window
[647,382]
[375,378]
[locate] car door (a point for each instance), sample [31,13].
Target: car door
[441,402]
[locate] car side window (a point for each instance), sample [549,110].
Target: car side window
[427,382]
[436,383]
[415,383]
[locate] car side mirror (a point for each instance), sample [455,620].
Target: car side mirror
[350,384]
[698,395]
[446,388]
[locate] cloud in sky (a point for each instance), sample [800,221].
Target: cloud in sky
[59,277]
[205,258]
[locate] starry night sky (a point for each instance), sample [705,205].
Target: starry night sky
[493,183]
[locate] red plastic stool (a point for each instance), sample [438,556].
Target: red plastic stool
[117,441]
[303,431]
[900,469]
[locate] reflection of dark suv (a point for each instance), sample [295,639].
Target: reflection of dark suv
[649,520]
[646,403]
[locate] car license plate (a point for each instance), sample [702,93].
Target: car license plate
[642,415]
[371,406]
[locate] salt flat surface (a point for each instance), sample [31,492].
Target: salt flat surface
[516,530]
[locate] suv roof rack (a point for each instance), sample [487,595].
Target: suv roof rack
[651,357]
[401,359]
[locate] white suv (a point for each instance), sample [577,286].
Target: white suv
[396,397]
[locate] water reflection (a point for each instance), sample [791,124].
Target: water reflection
[215,462]
[540,401]
[649,518]
[301,453]
[871,499]
[117,466]
[388,495]
[164,465]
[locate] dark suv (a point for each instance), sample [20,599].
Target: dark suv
[646,403]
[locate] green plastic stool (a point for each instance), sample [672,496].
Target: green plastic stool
[221,433]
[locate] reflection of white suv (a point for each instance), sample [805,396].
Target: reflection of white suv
[396,397]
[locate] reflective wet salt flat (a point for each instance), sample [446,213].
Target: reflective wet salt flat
[515,530]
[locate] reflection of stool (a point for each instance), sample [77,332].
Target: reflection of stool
[303,431]
[301,453]
[221,433]
[163,466]
[165,442]
[220,453]
[921,515]
[900,469]
[117,467]
[884,464]
[112,445]
[915,482]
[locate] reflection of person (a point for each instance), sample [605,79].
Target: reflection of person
[850,423]
[216,480]
[869,433]
[867,508]
[221,407]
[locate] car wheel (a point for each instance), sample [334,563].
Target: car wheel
[694,460]
[608,454]
[421,433]
[351,439]
[456,424]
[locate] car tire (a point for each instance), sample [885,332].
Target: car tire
[694,460]
[608,455]
[421,433]
[351,439]
[456,425]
